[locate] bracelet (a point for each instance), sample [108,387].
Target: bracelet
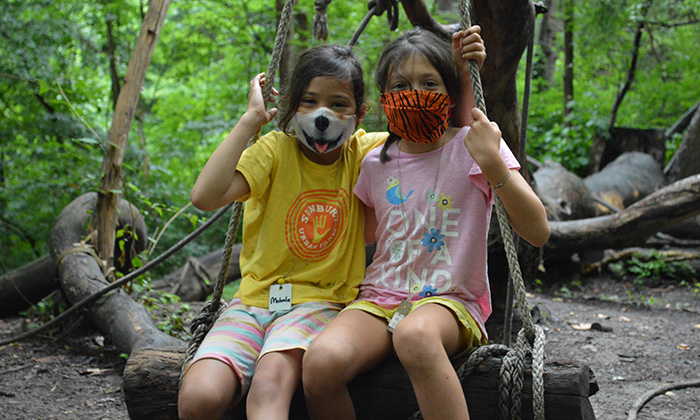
[500,184]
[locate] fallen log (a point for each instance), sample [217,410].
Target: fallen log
[633,225]
[565,195]
[195,280]
[626,180]
[27,285]
[126,322]
[151,378]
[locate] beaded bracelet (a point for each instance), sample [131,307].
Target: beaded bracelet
[500,184]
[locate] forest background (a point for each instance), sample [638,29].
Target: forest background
[62,63]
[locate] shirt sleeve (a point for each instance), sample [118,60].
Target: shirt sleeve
[257,163]
[362,187]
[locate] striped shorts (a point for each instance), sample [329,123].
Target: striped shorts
[243,334]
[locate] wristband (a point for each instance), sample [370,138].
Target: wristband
[500,184]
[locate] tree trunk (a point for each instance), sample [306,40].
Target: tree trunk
[384,393]
[609,146]
[112,177]
[127,323]
[549,27]
[686,160]
[568,57]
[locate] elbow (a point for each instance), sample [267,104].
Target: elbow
[540,236]
[199,201]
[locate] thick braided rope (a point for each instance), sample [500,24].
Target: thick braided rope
[320,22]
[216,306]
[534,334]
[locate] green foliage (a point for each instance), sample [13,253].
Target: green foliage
[652,268]
[52,143]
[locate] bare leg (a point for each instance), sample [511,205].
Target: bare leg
[207,391]
[423,341]
[277,376]
[354,342]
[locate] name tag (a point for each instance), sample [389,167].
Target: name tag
[280,297]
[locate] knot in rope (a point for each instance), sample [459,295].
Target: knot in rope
[199,328]
[320,23]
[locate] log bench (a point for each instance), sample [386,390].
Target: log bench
[151,382]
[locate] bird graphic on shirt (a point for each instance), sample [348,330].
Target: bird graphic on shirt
[394,194]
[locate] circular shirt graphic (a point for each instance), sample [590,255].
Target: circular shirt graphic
[316,222]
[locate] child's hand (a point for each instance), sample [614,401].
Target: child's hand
[468,45]
[483,139]
[256,110]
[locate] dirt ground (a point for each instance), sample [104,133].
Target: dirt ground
[634,338]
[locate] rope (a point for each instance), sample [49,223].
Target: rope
[320,22]
[513,363]
[216,306]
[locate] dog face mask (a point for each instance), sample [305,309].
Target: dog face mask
[321,130]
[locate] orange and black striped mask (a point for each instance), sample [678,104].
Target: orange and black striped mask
[417,115]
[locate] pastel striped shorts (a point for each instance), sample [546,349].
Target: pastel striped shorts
[243,334]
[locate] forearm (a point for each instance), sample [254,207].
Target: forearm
[526,212]
[463,107]
[219,183]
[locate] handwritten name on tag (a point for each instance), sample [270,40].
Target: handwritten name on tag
[280,297]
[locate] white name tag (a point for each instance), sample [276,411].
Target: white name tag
[280,297]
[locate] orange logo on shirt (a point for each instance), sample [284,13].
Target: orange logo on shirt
[316,222]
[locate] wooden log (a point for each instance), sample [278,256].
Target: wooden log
[128,323]
[564,194]
[27,285]
[633,225]
[626,180]
[151,379]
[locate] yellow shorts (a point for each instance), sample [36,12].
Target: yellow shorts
[469,328]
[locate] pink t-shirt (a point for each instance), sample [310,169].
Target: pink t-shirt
[431,229]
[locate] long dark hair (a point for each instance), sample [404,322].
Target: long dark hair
[324,60]
[417,41]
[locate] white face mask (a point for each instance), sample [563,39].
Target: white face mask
[321,130]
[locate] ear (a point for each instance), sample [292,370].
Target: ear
[361,114]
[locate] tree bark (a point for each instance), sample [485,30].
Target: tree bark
[27,285]
[112,178]
[549,27]
[127,323]
[384,393]
[686,160]
[568,57]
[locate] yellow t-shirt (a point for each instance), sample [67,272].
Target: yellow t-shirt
[302,221]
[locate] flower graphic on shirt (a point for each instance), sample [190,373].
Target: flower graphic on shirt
[415,288]
[431,196]
[433,240]
[428,290]
[445,201]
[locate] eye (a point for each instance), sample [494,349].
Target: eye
[431,84]
[398,86]
[340,105]
[307,101]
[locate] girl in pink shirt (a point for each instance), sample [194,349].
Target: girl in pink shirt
[428,192]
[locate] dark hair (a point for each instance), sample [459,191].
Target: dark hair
[324,60]
[437,50]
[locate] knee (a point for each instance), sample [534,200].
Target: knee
[201,401]
[325,365]
[416,343]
